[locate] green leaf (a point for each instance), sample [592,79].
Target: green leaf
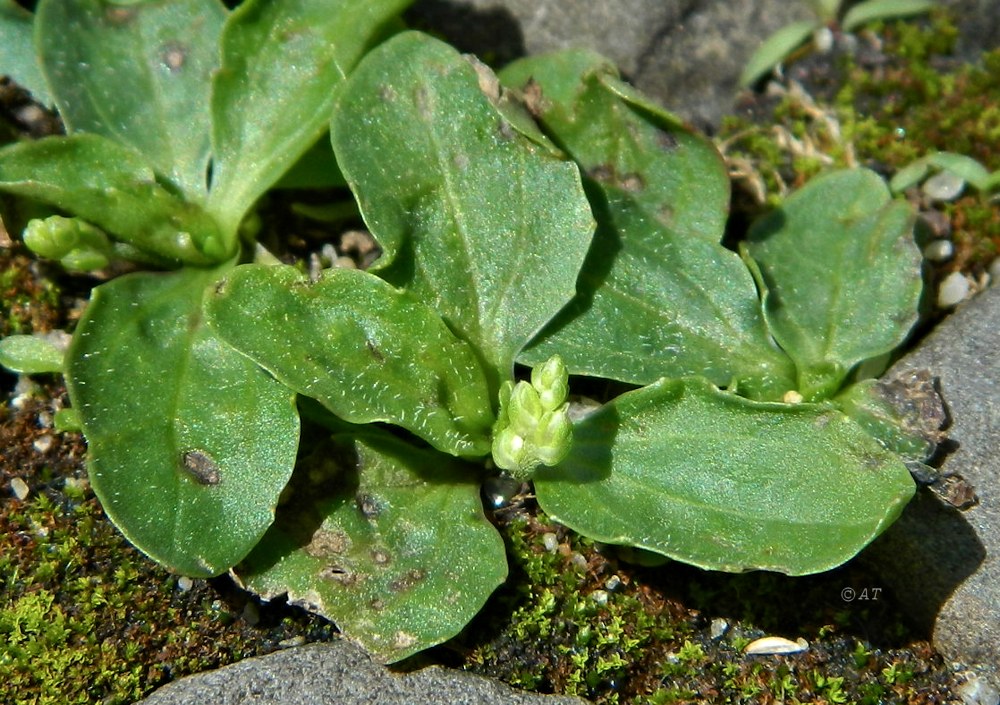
[139,74]
[17,51]
[962,166]
[872,10]
[654,304]
[842,274]
[625,142]
[190,443]
[114,188]
[281,63]
[776,49]
[388,541]
[30,354]
[724,483]
[473,218]
[367,351]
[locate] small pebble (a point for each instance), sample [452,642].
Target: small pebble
[578,561]
[290,642]
[994,271]
[43,444]
[600,597]
[939,251]
[20,488]
[937,222]
[773,645]
[718,628]
[613,583]
[954,289]
[823,40]
[551,542]
[251,613]
[184,583]
[944,186]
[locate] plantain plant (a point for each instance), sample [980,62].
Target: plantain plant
[551,218]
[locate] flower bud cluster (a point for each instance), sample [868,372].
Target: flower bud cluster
[533,427]
[78,245]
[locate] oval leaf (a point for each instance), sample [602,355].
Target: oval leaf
[139,74]
[724,483]
[30,354]
[653,304]
[17,51]
[114,188]
[367,351]
[625,142]
[271,100]
[865,12]
[190,443]
[474,219]
[776,49]
[388,541]
[842,273]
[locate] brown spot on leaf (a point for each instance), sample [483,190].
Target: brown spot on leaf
[914,397]
[339,575]
[119,15]
[603,173]
[368,506]
[200,466]
[534,100]
[407,581]
[326,543]
[380,556]
[666,141]
[374,351]
[633,183]
[173,56]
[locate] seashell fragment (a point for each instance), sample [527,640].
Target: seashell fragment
[772,645]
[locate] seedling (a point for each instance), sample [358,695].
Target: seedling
[551,219]
[780,45]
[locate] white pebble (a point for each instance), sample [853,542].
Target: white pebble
[939,251]
[954,289]
[718,628]
[551,542]
[613,583]
[944,186]
[600,597]
[578,561]
[773,645]
[42,444]
[184,583]
[20,488]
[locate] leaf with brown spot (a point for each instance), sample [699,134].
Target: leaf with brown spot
[403,579]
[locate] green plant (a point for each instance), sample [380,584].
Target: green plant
[750,441]
[786,40]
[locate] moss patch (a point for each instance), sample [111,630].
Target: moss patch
[576,619]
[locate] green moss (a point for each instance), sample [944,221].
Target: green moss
[918,99]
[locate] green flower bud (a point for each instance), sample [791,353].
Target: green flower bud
[554,436]
[77,244]
[509,451]
[551,380]
[525,409]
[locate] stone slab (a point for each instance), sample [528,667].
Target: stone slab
[941,563]
[338,673]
